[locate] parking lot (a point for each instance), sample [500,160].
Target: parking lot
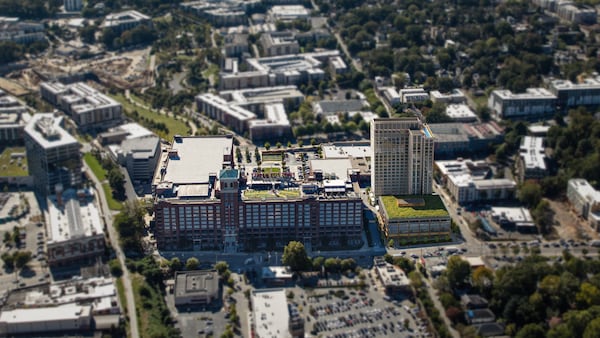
[31,238]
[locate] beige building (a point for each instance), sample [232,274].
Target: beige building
[402,157]
[196,287]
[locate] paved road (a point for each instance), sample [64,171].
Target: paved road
[440,308]
[114,240]
[356,65]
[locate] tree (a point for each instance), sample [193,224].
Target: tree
[348,264]
[9,261]
[457,271]
[22,258]
[115,268]
[267,145]
[192,263]
[294,255]
[587,296]
[592,330]
[530,193]
[531,331]
[483,277]
[391,243]
[221,267]
[318,262]
[175,264]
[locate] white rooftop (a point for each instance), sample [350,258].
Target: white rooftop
[47,131]
[332,168]
[73,218]
[134,130]
[533,153]
[196,158]
[48,314]
[270,311]
[460,112]
[513,214]
[530,93]
[344,151]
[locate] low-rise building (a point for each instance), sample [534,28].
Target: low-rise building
[410,95]
[514,218]
[535,102]
[585,200]
[279,43]
[576,14]
[32,321]
[73,5]
[276,275]
[454,96]
[139,155]
[75,229]
[235,44]
[461,139]
[392,96]
[126,20]
[219,109]
[479,316]
[461,113]
[223,12]
[275,125]
[414,218]
[532,158]
[569,94]
[288,13]
[392,278]
[470,182]
[12,29]
[199,287]
[89,108]
[13,118]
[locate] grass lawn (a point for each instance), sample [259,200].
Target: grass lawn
[149,304]
[96,167]
[271,170]
[123,299]
[432,206]
[268,194]
[272,158]
[12,167]
[113,204]
[176,127]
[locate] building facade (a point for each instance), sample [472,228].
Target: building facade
[402,157]
[569,94]
[535,102]
[585,200]
[53,154]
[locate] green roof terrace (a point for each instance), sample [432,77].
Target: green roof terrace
[414,206]
[270,194]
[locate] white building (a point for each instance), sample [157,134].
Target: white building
[12,29]
[199,287]
[75,229]
[274,126]
[408,95]
[392,95]
[469,181]
[461,113]
[139,155]
[62,318]
[455,96]
[402,161]
[73,5]
[89,108]
[219,109]
[532,158]
[288,13]
[126,20]
[272,317]
[569,94]
[13,118]
[585,200]
[279,43]
[534,102]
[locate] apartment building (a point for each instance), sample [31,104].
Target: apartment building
[126,20]
[13,118]
[535,102]
[12,29]
[402,161]
[275,125]
[465,139]
[569,94]
[222,13]
[73,5]
[454,96]
[53,154]
[585,200]
[75,228]
[203,204]
[279,43]
[288,13]
[532,158]
[89,108]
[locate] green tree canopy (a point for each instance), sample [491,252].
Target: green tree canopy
[294,255]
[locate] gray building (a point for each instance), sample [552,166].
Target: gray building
[196,287]
[73,5]
[140,156]
[126,20]
[52,154]
[12,29]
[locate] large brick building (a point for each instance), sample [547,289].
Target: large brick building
[202,203]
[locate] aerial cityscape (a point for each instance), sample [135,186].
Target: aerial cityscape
[295,168]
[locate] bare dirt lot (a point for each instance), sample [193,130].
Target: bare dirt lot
[570,226]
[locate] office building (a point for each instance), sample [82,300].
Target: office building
[275,125]
[402,161]
[272,316]
[535,102]
[75,229]
[89,108]
[222,12]
[569,94]
[517,218]
[532,158]
[235,44]
[410,95]
[126,20]
[52,154]
[36,321]
[12,29]
[73,5]
[576,14]
[392,96]
[393,279]
[199,287]
[203,204]
[219,109]
[585,200]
